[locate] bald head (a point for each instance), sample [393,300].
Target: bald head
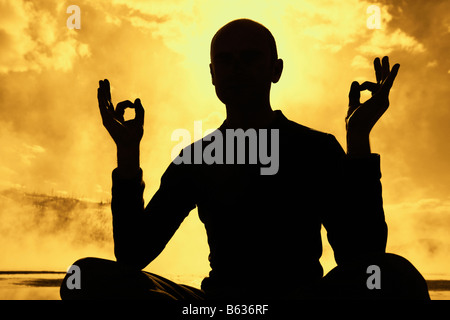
[244,63]
[240,27]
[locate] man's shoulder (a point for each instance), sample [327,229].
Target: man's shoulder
[305,131]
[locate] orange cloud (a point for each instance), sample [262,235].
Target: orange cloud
[35,40]
[52,138]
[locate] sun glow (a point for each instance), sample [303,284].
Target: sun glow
[53,141]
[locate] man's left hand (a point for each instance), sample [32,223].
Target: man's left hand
[362,117]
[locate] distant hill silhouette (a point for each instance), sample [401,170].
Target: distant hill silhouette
[31,217]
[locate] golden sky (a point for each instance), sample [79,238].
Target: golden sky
[52,140]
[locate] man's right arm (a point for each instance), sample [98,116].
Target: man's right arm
[140,234]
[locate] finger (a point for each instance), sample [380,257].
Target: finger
[100,90]
[354,95]
[102,96]
[371,86]
[139,109]
[384,68]
[353,98]
[107,94]
[387,85]
[120,109]
[108,90]
[101,104]
[377,66]
[104,112]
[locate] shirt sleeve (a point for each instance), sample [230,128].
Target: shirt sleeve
[140,234]
[354,219]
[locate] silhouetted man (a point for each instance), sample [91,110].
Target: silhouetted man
[263,230]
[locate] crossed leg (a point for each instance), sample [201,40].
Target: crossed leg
[106,279]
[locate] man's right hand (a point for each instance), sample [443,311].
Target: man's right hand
[126,134]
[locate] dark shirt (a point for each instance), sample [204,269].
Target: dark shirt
[263,230]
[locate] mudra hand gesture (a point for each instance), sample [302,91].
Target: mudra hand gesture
[126,134]
[361,117]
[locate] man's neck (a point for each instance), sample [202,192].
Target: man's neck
[245,118]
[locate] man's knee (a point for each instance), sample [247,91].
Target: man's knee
[402,279]
[380,276]
[90,278]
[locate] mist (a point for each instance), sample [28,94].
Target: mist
[53,143]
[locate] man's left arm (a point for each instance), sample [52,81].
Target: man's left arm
[353,213]
[360,228]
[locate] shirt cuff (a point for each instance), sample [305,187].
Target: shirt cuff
[117,177]
[127,186]
[362,168]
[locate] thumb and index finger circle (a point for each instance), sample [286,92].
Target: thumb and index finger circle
[120,108]
[137,106]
